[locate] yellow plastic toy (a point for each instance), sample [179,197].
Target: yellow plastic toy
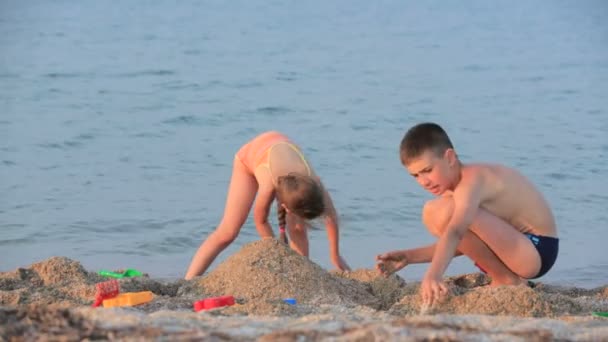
[129,299]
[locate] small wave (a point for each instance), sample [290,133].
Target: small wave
[562,176]
[61,146]
[8,163]
[184,120]
[533,79]
[9,75]
[475,68]
[272,111]
[152,167]
[13,242]
[179,85]
[159,72]
[148,135]
[167,245]
[356,127]
[85,136]
[66,74]
[426,100]
[247,84]
[192,52]
[569,92]
[287,76]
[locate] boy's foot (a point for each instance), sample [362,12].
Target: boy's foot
[508,282]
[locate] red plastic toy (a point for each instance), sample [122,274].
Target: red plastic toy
[106,290]
[212,303]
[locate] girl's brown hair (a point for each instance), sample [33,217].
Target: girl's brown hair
[302,195]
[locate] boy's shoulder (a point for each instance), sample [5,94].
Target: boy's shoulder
[479,169]
[486,174]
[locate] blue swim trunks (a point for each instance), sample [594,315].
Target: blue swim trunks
[547,248]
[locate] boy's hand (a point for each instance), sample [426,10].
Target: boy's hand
[391,262]
[340,263]
[432,289]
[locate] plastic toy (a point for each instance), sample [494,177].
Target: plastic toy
[290,301]
[214,302]
[106,290]
[129,272]
[129,299]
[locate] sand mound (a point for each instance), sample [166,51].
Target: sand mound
[268,271]
[60,270]
[262,273]
[63,281]
[507,300]
[56,280]
[604,292]
[387,290]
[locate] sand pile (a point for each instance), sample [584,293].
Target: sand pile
[387,290]
[520,301]
[50,300]
[63,281]
[263,273]
[267,271]
[56,280]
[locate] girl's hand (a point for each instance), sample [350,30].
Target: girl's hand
[432,289]
[391,262]
[340,263]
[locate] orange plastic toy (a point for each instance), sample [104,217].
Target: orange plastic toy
[129,299]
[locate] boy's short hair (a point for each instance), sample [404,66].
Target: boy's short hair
[423,137]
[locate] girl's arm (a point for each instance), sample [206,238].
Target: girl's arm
[333,232]
[261,211]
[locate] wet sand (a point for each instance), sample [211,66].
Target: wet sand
[52,300]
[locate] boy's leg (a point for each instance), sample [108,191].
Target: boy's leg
[500,249]
[241,193]
[298,234]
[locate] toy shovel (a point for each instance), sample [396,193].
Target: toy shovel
[129,272]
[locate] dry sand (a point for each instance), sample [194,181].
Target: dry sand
[52,300]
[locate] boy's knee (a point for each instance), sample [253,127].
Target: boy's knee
[436,213]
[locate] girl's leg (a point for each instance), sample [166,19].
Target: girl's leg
[241,193]
[500,249]
[297,229]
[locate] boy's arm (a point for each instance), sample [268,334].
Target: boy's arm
[420,255]
[391,262]
[261,210]
[467,198]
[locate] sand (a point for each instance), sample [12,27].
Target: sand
[52,300]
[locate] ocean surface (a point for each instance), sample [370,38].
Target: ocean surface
[119,120]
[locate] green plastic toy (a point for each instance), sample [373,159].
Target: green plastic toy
[601,314]
[128,273]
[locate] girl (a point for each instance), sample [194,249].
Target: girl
[271,166]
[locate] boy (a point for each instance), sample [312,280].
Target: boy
[488,212]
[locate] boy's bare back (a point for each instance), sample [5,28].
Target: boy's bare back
[509,195]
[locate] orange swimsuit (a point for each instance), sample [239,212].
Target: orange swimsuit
[256,152]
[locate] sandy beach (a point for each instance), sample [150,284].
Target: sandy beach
[51,300]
